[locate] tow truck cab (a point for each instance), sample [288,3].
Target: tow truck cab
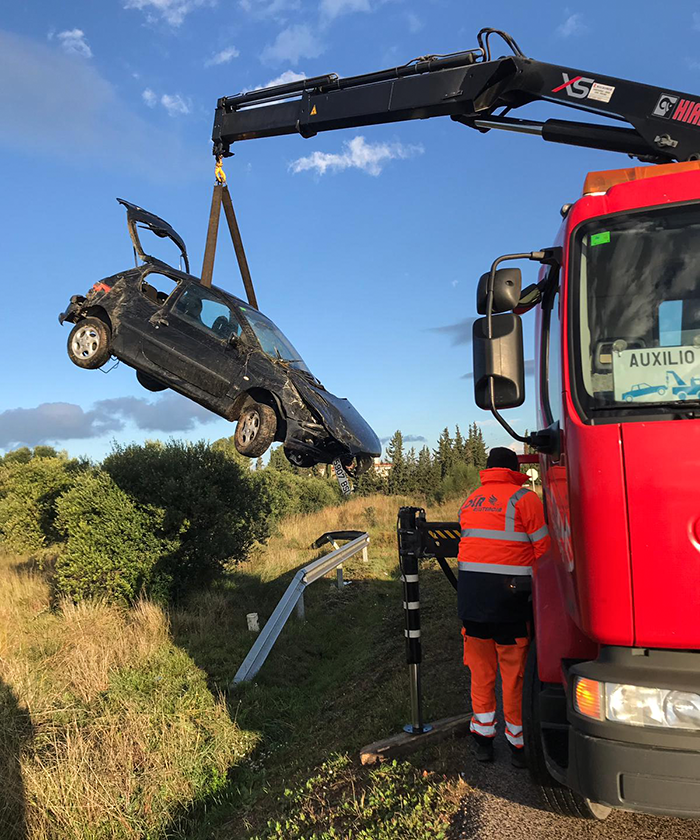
[612,702]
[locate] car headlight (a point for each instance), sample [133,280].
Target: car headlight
[637,705]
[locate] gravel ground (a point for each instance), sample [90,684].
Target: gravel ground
[504,805]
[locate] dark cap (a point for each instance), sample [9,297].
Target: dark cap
[499,456]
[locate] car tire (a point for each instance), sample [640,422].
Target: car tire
[255,430]
[90,343]
[555,796]
[149,383]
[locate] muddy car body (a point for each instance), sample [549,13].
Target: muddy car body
[217,350]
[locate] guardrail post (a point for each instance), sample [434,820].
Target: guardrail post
[299,609]
[365,556]
[409,547]
[339,577]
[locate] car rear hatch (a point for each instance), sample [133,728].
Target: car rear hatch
[138,217]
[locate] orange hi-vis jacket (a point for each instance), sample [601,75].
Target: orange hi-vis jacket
[503,533]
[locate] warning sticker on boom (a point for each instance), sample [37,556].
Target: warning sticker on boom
[661,374]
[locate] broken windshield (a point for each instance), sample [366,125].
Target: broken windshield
[273,342]
[637,309]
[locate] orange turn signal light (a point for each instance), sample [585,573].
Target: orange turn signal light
[588,698]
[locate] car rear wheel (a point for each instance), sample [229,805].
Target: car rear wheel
[255,430]
[149,383]
[556,797]
[89,343]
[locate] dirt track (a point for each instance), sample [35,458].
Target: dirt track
[505,806]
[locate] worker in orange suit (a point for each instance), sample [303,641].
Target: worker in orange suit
[503,533]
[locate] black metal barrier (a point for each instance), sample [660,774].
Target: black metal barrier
[418,538]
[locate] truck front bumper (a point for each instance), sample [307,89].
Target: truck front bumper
[652,769]
[634,777]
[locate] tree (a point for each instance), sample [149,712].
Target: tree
[398,474]
[477,447]
[427,474]
[278,461]
[459,446]
[444,453]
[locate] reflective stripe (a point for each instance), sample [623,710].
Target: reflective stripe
[412,634]
[493,568]
[411,605]
[510,509]
[409,578]
[489,534]
[539,534]
[482,729]
[485,717]
[514,730]
[515,740]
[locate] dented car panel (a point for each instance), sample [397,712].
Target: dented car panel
[216,350]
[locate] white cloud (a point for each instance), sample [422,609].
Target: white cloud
[415,24]
[573,25]
[222,57]
[292,44]
[269,8]
[85,118]
[333,8]
[285,78]
[696,20]
[171,11]
[149,98]
[174,104]
[357,154]
[73,42]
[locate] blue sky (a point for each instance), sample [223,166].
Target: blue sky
[362,243]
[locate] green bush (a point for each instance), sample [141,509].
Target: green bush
[286,494]
[213,508]
[114,548]
[28,493]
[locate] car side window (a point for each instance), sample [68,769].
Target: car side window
[157,287]
[203,310]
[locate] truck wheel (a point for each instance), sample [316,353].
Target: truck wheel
[682,395]
[149,383]
[557,798]
[255,430]
[89,343]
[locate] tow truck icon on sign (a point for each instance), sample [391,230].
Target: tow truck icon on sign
[681,389]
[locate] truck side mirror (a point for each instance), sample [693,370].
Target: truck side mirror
[506,290]
[500,358]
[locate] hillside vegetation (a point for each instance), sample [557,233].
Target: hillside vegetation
[118,716]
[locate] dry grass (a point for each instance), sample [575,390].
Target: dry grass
[109,730]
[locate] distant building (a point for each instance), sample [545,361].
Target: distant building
[382,468]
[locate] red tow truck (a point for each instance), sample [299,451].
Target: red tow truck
[612,694]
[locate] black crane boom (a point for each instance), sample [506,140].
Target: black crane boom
[663,125]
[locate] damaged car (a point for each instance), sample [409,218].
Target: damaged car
[217,350]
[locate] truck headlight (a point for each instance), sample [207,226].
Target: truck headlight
[638,705]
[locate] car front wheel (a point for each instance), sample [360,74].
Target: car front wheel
[89,343]
[255,430]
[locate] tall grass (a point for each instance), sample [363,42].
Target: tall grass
[110,729]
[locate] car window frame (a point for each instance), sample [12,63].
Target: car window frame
[177,293]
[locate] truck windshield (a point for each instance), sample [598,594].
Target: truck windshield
[636,312]
[273,342]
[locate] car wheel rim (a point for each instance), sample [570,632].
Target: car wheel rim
[250,428]
[86,343]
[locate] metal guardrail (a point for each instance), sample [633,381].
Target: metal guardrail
[294,597]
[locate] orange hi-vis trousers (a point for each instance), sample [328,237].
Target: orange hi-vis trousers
[483,658]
